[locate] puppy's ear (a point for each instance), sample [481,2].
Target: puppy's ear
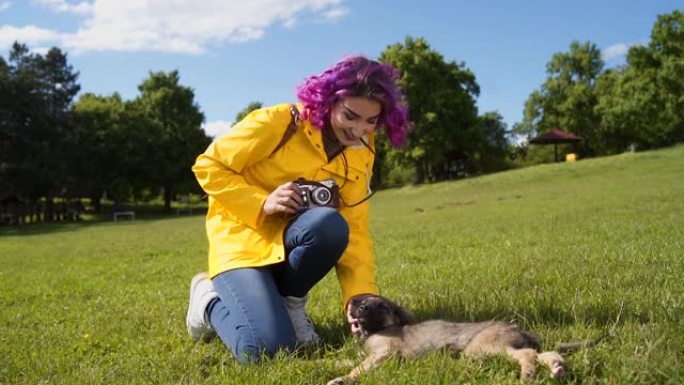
[356,300]
[403,316]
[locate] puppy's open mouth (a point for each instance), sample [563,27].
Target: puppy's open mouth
[356,327]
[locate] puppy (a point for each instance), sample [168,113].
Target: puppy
[388,330]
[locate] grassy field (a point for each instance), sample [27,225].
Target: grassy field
[568,250]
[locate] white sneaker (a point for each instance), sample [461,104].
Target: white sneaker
[303,327]
[201,294]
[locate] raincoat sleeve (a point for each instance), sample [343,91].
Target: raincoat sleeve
[356,268]
[218,169]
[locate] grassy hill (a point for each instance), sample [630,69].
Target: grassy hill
[568,250]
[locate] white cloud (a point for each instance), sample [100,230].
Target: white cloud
[41,50]
[616,50]
[60,6]
[180,26]
[336,13]
[29,34]
[216,128]
[5,6]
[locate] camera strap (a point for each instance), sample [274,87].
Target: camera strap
[359,202]
[290,130]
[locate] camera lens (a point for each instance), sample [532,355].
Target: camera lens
[321,196]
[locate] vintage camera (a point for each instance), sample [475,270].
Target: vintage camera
[319,194]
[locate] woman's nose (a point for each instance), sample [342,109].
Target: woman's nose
[364,129]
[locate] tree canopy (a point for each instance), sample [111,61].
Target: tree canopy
[567,98]
[174,134]
[643,102]
[36,125]
[53,147]
[245,111]
[441,95]
[639,104]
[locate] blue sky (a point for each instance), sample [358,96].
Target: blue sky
[234,52]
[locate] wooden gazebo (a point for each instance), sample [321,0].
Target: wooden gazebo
[556,136]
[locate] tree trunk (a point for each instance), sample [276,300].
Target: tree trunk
[168,197]
[420,172]
[96,203]
[48,216]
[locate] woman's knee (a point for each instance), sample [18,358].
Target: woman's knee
[245,352]
[329,227]
[249,350]
[250,317]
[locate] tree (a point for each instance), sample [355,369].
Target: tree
[567,98]
[7,121]
[59,87]
[173,133]
[37,126]
[250,107]
[21,168]
[101,158]
[643,103]
[493,144]
[442,107]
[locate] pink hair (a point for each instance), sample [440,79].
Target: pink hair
[357,76]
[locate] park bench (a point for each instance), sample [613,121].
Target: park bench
[125,214]
[181,211]
[119,210]
[185,208]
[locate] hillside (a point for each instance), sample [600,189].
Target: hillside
[568,250]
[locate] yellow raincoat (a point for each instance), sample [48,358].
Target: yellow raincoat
[238,172]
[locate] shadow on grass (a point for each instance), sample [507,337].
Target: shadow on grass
[334,334]
[304,352]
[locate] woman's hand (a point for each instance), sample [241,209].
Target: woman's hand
[286,198]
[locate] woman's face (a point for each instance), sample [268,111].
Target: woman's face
[354,117]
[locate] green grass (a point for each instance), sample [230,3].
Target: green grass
[568,250]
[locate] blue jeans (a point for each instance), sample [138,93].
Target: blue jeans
[249,316]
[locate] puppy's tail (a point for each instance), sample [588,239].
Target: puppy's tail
[567,347]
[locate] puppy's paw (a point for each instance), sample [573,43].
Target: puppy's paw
[336,381]
[558,370]
[555,362]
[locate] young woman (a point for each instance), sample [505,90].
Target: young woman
[272,236]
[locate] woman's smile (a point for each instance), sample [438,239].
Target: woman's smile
[353,117]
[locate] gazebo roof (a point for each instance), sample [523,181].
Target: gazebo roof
[554,136]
